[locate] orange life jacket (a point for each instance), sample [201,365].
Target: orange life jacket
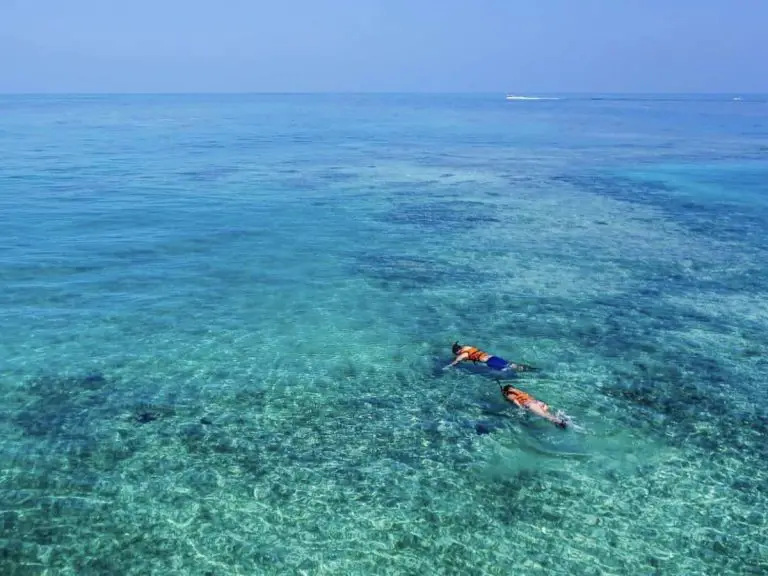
[520,396]
[474,354]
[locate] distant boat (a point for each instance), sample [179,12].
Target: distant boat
[513,97]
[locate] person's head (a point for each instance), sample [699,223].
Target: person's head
[456,348]
[508,389]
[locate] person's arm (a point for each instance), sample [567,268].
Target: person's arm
[513,400]
[459,358]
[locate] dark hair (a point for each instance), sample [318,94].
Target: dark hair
[506,389]
[456,348]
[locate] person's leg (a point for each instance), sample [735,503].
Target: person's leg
[521,367]
[498,363]
[541,409]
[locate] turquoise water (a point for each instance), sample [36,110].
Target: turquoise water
[223,319]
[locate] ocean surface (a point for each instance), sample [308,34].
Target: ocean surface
[223,320]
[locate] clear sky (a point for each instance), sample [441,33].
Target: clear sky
[520,46]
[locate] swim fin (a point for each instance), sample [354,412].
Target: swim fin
[526,368]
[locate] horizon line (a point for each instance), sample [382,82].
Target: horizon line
[376,92]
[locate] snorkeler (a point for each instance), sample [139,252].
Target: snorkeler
[528,402]
[473,354]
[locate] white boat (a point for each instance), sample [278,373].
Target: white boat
[513,97]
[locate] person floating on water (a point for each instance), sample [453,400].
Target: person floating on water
[527,402]
[473,354]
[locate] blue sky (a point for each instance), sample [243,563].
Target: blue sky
[531,46]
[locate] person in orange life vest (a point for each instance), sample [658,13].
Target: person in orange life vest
[472,354]
[528,402]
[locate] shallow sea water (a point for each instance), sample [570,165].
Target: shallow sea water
[223,320]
